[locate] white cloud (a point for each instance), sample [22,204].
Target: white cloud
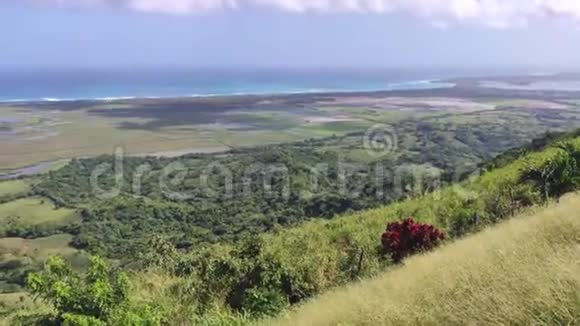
[496,13]
[179,6]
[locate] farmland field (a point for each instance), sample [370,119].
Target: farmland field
[14,187]
[33,211]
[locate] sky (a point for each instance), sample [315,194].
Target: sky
[290,33]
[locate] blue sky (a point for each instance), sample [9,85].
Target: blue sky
[281,33]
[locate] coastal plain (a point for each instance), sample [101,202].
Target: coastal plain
[35,132]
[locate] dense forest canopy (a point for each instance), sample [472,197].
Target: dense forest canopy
[211,197]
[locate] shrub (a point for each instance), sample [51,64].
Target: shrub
[407,237]
[94,295]
[243,278]
[97,297]
[264,302]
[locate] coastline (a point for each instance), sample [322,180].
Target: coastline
[151,117]
[416,85]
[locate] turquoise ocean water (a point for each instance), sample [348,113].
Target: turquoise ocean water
[54,85]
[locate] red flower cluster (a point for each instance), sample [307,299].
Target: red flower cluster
[405,238]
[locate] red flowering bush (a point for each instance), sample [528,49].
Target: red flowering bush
[407,237]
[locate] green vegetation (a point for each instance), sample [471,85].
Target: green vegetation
[40,248]
[208,243]
[262,276]
[100,297]
[19,256]
[522,272]
[302,262]
[14,188]
[17,304]
[423,153]
[34,217]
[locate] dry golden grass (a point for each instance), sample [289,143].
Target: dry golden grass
[523,272]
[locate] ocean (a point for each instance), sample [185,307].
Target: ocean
[68,84]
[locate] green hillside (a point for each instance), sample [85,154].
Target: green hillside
[263,275]
[522,272]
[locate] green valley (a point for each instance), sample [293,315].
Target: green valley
[183,269]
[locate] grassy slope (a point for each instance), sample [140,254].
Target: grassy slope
[14,304]
[523,272]
[319,248]
[320,255]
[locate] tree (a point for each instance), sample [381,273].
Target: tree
[558,174]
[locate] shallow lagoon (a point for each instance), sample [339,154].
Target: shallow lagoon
[27,171]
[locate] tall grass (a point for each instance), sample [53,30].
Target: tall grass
[522,272]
